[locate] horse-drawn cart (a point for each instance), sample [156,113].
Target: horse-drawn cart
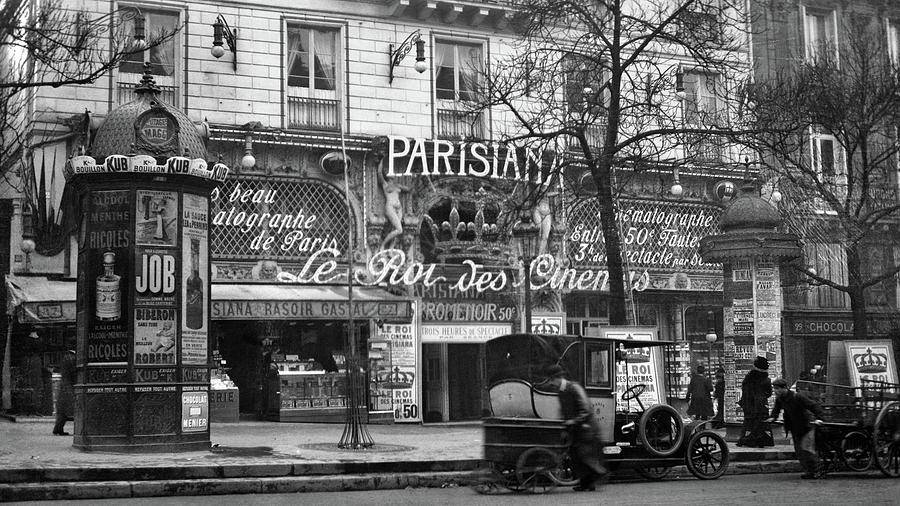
[525,441]
[860,425]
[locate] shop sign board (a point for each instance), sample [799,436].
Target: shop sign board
[463,333]
[300,309]
[394,378]
[871,360]
[657,236]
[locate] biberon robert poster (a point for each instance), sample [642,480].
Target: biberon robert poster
[154,336]
[194,283]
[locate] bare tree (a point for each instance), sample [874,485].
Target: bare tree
[827,127]
[603,79]
[47,44]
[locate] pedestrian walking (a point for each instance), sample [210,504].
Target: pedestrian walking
[583,429]
[65,397]
[698,395]
[801,415]
[719,394]
[755,392]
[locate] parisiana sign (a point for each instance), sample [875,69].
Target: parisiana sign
[437,157]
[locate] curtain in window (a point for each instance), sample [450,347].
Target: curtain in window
[324,51]
[691,102]
[469,67]
[298,57]
[445,75]
[162,57]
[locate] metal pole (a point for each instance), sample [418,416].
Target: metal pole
[527,293]
[7,375]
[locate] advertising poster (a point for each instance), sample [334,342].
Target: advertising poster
[156,220]
[106,236]
[394,373]
[194,411]
[871,360]
[194,261]
[155,277]
[154,336]
[641,365]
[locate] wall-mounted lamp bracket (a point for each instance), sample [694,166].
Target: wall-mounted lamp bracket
[223,32]
[403,49]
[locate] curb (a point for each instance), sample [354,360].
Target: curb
[105,489]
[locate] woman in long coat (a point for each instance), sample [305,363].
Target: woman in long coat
[698,396]
[755,392]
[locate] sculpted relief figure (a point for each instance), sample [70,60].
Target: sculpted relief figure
[393,207]
[541,214]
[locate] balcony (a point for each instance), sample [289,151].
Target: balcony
[459,125]
[594,134]
[314,114]
[167,94]
[703,149]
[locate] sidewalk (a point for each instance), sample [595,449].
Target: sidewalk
[259,457]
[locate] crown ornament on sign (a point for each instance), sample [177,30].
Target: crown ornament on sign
[870,362]
[458,239]
[395,378]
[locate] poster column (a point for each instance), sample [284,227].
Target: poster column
[143,305]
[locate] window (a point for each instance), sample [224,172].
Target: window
[457,66]
[828,164]
[702,108]
[830,262]
[456,80]
[313,79]
[893,40]
[820,29]
[163,58]
[597,359]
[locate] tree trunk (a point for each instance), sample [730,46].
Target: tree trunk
[603,177]
[856,293]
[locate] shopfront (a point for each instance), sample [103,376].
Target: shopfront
[816,343]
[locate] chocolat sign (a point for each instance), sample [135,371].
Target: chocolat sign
[658,236]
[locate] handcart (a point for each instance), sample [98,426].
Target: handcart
[860,425]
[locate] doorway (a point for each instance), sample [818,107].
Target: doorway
[454,388]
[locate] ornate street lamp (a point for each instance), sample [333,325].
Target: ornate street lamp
[526,233]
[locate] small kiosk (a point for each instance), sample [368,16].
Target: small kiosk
[143,281]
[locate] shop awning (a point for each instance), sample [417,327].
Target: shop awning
[36,299]
[231,301]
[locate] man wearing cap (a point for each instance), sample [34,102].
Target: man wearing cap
[797,410]
[583,428]
[755,392]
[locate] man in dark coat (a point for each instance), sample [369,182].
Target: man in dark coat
[65,397]
[798,409]
[699,403]
[755,392]
[583,427]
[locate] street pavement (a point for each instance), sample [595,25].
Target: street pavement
[267,457]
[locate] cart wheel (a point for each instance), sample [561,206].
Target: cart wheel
[505,476]
[564,474]
[661,430]
[534,470]
[654,473]
[856,451]
[707,455]
[886,439]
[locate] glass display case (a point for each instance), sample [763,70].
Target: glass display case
[304,391]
